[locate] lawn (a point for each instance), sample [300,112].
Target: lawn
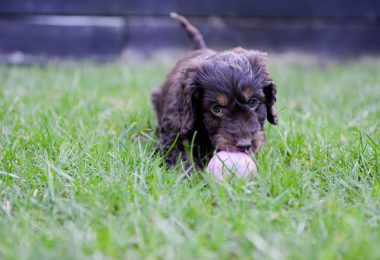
[79,178]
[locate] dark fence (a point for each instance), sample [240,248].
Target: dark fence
[103,28]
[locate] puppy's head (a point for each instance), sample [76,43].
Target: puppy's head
[232,94]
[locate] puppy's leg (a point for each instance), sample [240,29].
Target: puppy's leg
[171,145]
[201,149]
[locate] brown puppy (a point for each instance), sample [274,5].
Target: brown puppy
[217,100]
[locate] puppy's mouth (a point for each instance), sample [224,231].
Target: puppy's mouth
[234,149]
[228,144]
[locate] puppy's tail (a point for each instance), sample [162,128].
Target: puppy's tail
[191,31]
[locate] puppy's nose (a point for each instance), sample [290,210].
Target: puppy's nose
[244,144]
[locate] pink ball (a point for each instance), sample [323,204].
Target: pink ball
[226,163]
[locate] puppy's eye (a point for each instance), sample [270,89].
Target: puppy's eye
[216,108]
[252,102]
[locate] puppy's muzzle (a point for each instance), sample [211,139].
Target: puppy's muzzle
[243,144]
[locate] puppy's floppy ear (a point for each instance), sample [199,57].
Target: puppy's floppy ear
[181,109]
[187,106]
[270,99]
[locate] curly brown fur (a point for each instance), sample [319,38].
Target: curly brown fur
[218,100]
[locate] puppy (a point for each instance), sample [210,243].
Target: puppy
[216,101]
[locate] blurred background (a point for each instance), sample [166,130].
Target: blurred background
[32,30]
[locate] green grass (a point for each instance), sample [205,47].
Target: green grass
[79,178]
